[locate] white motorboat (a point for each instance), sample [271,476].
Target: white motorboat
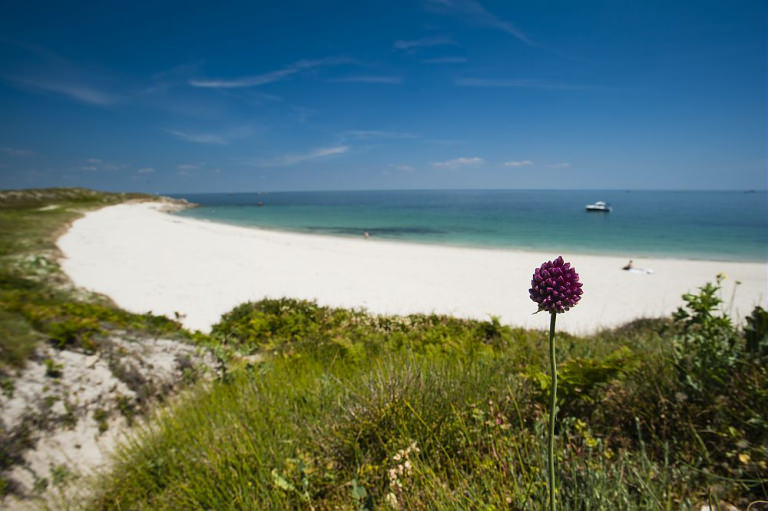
[599,206]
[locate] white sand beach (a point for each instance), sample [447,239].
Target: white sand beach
[149,260]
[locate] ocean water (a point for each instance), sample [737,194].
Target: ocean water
[693,225]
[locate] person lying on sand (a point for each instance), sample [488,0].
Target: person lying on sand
[631,268]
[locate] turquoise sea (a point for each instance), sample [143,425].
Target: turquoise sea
[693,225]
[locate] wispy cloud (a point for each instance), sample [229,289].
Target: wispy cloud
[177,75]
[222,138]
[189,166]
[368,79]
[424,42]
[146,170]
[518,163]
[79,92]
[13,151]
[293,159]
[447,141]
[403,168]
[270,77]
[45,72]
[560,165]
[199,138]
[458,162]
[445,60]
[97,164]
[376,134]
[527,83]
[301,113]
[474,12]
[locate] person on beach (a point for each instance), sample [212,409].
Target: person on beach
[628,266]
[366,235]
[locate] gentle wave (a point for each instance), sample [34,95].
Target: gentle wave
[694,225]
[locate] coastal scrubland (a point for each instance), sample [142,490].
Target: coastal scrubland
[54,340]
[37,301]
[331,408]
[346,410]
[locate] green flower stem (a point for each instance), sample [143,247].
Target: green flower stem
[552,411]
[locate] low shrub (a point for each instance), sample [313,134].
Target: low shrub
[350,410]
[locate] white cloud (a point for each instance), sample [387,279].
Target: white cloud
[164,80]
[445,60]
[293,159]
[561,165]
[220,138]
[79,92]
[368,79]
[199,138]
[189,166]
[96,164]
[474,12]
[403,168]
[272,76]
[12,151]
[42,71]
[520,163]
[146,170]
[372,134]
[445,141]
[302,114]
[216,138]
[424,42]
[458,162]
[527,83]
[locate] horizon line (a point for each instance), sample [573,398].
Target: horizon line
[337,190]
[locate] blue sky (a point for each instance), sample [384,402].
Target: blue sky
[259,96]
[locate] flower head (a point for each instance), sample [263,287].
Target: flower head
[555,286]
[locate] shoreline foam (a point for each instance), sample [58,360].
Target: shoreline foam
[147,260]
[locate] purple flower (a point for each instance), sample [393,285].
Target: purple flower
[555,286]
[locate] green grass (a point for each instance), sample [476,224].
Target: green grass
[37,302]
[343,399]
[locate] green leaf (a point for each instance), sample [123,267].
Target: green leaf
[358,492]
[280,482]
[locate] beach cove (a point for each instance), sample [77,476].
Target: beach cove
[145,260]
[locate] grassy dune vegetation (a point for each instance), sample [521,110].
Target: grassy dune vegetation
[345,410]
[38,304]
[323,408]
